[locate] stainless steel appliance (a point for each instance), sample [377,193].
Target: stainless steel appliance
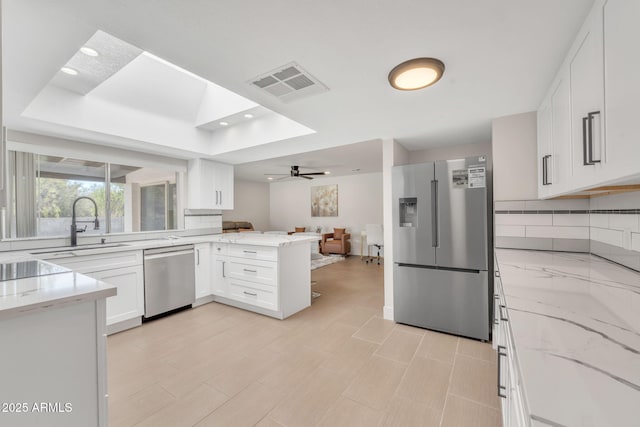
[442,225]
[169,279]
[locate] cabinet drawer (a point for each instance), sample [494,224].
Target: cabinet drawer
[264,272]
[253,293]
[267,253]
[100,262]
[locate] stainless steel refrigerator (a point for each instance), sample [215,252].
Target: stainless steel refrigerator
[441,246]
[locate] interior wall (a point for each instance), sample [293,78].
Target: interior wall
[451,152]
[359,203]
[250,203]
[515,153]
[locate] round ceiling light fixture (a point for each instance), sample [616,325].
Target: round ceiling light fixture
[248,116]
[416,73]
[89,51]
[223,123]
[68,70]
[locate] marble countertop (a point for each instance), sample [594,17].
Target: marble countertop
[575,320]
[33,294]
[259,239]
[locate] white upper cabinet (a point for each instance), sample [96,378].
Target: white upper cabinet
[621,21]
[587,128]
[587,102]
[209,185]
[554,139]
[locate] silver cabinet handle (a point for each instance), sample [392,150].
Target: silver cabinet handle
[249,252]
[250,271]
[502,315]
[221,197]
[197,256]
[250,293]
[223,263]
[496,320]
[434,213]
[502,390]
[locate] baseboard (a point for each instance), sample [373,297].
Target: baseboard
[124,325]
[387,312]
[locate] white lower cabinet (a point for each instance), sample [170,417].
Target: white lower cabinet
[128,303]
[121,269]
[509,387]
[203,270]
[275,281]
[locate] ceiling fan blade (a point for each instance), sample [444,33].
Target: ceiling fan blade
[313,173]
[273,174]
[305,176]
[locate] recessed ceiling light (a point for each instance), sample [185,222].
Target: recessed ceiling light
[223,123]
[89,51]
[248,116]
[327,172]
[416,73]
[69,71]
[270,178]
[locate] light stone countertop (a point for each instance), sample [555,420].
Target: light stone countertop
[575,320]
[36,293]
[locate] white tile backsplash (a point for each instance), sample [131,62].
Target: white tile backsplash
[511,205]
[604,235]
[510,230]
[624,222]
[553,232]
[635,241]
[563,205]
[524,219]
[599,220]
[571,219]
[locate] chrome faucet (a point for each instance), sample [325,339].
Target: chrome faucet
[74,228]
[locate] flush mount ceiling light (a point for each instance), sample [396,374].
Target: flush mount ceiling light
[416,73]
[89,51]
[69,71]
[223,124]
[248,116]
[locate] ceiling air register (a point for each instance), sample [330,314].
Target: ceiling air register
[289,82]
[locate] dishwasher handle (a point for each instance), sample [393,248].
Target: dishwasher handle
[168,254]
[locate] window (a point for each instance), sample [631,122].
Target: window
[43,190]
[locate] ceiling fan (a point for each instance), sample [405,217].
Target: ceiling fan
[295,173]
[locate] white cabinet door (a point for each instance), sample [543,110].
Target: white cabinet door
[219,284]
[544,149]
[203,269]
[559,170]
[622,87]
[224,186]
[129,301]
[209,185]
[587,98]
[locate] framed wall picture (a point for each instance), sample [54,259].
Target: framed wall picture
[324,200]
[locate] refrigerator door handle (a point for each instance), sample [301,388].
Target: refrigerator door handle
[434,213]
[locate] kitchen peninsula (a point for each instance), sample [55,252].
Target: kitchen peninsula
[52,329]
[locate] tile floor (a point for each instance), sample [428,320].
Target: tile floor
[337,363]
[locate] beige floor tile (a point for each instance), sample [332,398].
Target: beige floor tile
[438,346]
[307,404]
[350,358]
[477,349]
[246,408]
[347,413]
[331,338]
[461,412]
[412,329]
[358,316]
[400,346]
[139,406]
[475,379]
[187,410]
[376,382]
[268,422]
[407,413]
[123,383]
[240,372]
[375,330]
[426,381]
[291,371]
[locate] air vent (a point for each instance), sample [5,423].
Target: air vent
[289,83]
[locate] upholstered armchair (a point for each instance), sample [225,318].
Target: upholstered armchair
[337,242]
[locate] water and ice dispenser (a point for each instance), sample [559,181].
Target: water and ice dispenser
[408,212]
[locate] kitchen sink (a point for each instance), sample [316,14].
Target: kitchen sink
[67,249]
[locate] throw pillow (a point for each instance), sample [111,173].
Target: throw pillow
[338,232]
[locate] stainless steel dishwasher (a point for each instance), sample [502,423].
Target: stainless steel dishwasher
[169,279]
